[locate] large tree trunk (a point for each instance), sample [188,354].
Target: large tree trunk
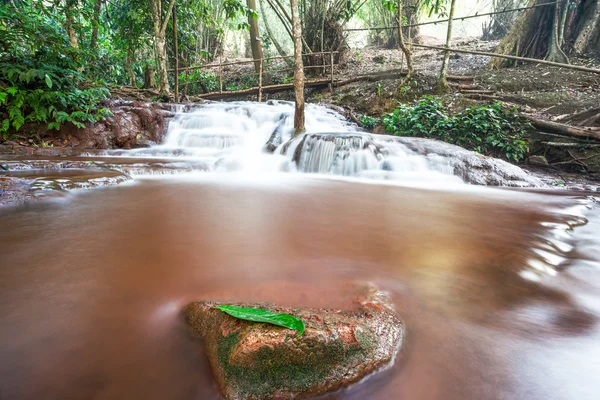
[405,50]
[588,29]
[95,24]
[553,32]
[257,51]
[442,82]
[555,53]
[298,69]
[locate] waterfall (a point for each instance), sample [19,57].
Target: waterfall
[258,138]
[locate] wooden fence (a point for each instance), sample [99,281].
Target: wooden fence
[327,69]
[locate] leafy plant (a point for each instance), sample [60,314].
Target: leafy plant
[41,78]
[491,129]
[368,122]
[260,315]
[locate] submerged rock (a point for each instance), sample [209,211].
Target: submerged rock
[262,361]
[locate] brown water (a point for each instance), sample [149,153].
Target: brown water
[91,286]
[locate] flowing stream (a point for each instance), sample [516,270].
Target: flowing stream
[499,288]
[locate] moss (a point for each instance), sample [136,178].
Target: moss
[273,371]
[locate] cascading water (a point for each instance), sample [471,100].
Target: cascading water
[257,137]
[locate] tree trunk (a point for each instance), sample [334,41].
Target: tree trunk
[539,32]
[255,43]
[69,20]
[405,50]
[298,70]
[589,28]
[128,68]
[160,43]
[442,82]
[95,25]
[149,77]
[555,53]
[273,38]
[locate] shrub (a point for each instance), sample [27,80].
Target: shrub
[41,78]
[491,129]
[368,122]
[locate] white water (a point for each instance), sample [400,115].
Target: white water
[235,136]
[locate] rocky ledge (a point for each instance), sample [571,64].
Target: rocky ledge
[255,361]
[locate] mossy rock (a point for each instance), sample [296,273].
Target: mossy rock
[261,361]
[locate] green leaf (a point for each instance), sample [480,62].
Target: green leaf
[259,315]
[48,81]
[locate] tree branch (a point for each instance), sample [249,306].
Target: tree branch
[165,23]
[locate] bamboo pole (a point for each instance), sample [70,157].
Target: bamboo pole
[220,75]
[260,72]
[534,60]
[187,81]
[176,52]
[331,71]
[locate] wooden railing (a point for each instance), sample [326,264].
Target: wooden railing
[327,69]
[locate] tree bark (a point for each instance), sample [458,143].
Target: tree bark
[160,43]
[255,42]
[555,53]
[403,47]
[128,68]
[69,20]
[589,28]
[95,25]
[298,70]
[442,82]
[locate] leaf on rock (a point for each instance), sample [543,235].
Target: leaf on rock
[259,315]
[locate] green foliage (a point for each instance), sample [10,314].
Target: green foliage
[259,315]
[368,122]
[200,81]
[41,78]
[491,129]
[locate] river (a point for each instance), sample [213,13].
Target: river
[499,288]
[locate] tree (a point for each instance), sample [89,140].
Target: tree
[442,82]
[69,22]
[95,24]
[553,32]
[161,18]
[273,38]
[298,69]
[403,47]
[255,43]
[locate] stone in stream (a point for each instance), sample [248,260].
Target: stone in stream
[262,361]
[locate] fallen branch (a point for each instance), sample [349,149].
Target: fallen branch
[476,91]
[584,113]
[566,130]
[577,145]
[459,78]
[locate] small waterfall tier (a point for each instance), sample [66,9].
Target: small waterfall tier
[399,158]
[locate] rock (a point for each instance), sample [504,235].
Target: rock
[143,143]
[261,361]
[310,155]
[379,59]
[537,160]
